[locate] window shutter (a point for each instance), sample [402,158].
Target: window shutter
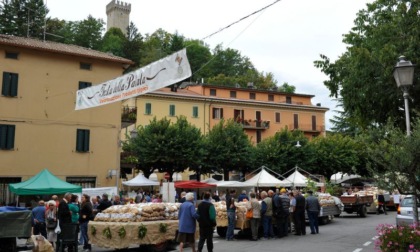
[221,113]
[195,111]
[214,113]
[148,108]
[10,142]
[171,110]
[79,140]
[14,84]
[86,141]
[6,84]
[3,134]
[83,84]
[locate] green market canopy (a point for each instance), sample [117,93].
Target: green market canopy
[44,183]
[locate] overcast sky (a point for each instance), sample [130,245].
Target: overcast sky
[284,39]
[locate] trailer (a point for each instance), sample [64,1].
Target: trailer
[356,203]
[15,222]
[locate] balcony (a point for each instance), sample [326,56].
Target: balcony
[308,128]
[254,124]
[128,116]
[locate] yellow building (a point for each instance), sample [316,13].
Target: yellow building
[39,127]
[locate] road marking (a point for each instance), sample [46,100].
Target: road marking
[367,243]
[358,250]
[375,237]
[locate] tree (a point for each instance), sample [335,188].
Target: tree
[166,147]
[287,88]
[281,154]
[132,46]
[228,148]
[88,33]
[338,153]
[395,159]
[114,41]
[362,76]
[198,55]
[24,18]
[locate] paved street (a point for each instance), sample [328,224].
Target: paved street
[348,233]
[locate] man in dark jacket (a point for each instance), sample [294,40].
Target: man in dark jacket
[299,214]
[64,216]
[207,222]
[104,204]
[282,213]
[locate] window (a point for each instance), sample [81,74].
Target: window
[171,110]
[85,66]
[148,109]
[232,94]
[277,117]
[7,136]
[5,194]
[83,84]
[82,140]
[12,55]
[195,112]
[217,113]
[270,97]
[213,92]
[296,121]
[10,84]
[314,122]
[288,99]
[84,182]
[252,96]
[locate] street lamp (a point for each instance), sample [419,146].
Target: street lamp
[404,75]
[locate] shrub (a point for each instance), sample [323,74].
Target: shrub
[403,238]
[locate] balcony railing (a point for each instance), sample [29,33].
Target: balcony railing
[307,127]
[254,124]
[128,116]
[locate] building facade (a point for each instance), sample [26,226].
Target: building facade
[118,15]
[39,127]
[261,113]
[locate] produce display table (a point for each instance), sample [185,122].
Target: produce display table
[111,234]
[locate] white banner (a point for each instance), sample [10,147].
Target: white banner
[156,75]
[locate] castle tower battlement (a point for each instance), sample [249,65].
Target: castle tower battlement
[118,15]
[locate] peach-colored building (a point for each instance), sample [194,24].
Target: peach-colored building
[39,127]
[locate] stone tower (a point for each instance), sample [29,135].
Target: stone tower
[118,15]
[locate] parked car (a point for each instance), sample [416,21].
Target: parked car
[405,211]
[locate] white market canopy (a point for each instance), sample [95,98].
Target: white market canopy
[298,179]
[339,177]
[140,180]
[265,179]
[236,184]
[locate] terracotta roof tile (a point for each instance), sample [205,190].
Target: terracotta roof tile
[55,47]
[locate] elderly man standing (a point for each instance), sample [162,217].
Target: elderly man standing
[38,219]
[283,206]
[267,215]
[186,225]
[313,208]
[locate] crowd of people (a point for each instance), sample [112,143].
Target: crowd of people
[287,209]
[49,217]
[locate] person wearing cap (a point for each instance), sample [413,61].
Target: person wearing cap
[313,208]
[104,204]
[283,203]
[38,219]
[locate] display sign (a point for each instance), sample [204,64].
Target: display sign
[156,75]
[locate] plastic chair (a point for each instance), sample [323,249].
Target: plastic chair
[68,236]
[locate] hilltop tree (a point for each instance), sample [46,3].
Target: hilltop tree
[88,32]
[24,18]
